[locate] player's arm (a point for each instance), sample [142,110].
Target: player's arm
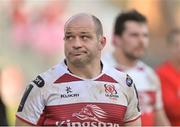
[21,123]
[32,104]
[136,122]
[160,116]
[161,119]
[133,114]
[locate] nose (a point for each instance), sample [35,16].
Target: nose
[144,40]
[77,43]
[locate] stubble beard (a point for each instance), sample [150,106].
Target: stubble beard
[81,62]
[132,57]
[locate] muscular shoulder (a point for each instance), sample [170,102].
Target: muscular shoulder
[121,77]
[48,77]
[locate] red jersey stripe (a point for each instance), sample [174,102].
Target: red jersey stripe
[67,78]
[106,78]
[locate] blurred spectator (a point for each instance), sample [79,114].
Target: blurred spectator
[39,27]
[12,85]
[130,39]
[169,73]
[47,29]
[20,22]
[3,117]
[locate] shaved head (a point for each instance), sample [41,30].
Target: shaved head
[83,39]
[83,18]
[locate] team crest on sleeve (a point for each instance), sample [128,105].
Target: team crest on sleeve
[129,81]
[39,81]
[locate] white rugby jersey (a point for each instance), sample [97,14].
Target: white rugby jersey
[58,97]
[147,84]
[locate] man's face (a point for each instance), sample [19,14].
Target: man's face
[81,42]
[134,40]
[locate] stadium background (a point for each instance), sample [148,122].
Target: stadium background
[31,33]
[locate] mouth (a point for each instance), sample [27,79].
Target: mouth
[78,53]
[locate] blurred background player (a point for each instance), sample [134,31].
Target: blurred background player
[130,39]
[169,73]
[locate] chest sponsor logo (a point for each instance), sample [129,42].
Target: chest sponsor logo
[89,116]
[110,91]
[69,93]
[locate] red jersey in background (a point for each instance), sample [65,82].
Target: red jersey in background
[170,79]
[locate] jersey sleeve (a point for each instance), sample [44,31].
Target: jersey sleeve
[32,103]
[133,110]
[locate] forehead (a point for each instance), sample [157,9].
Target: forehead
[136,26]
[80,24]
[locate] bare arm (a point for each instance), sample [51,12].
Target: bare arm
[137,122]
[21,123]
[161,118]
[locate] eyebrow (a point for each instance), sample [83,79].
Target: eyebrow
[80,32]
[68,32]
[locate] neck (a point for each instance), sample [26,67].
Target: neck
[124,62]
[88,71]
